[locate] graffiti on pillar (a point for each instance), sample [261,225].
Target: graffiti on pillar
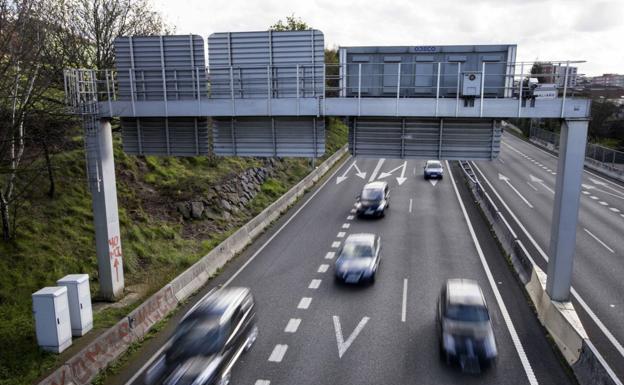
[114,252]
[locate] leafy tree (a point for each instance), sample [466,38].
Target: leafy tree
[292,24]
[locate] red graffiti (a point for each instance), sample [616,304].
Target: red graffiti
[114,247]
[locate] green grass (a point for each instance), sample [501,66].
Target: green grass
[55,236]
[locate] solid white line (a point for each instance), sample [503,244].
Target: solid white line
[330,178]
[499,299]
[262,382]
[323,268]
[598,240]
[314,284]
[376,170]
[335,245]
[350,217]
[410,206]
[341,234]
[404,303]
[278,353]
[293,325]
[518,193]
[533,187]
[304,303]
[575,294]
[346,225]
[330,255]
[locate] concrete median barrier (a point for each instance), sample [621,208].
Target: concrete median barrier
[82,368]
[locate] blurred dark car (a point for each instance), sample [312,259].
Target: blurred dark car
[208,341]
[374,200]
[359,258]
[464,326]
[433,169]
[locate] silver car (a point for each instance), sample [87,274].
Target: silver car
[464,326]
[359,258]
[434,169]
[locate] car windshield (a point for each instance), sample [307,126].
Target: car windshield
[434,165]
[356,250]
[468,313]
[196,337]
[371,194]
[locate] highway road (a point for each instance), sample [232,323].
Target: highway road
[314,331]
[524,178]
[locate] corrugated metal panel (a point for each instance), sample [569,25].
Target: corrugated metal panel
[265,63]
[142,63]
[166,136]
[470,139]
[419,78]
[261,136]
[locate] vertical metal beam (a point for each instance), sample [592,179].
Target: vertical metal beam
[198,91]
[233,134]
[131,74]
[196,136]
[437,91]
[314,140]
[354,135]
[167,136]
[520,86]
[269,90]
[398,95]
[105,214]
[139,136]
[359,88]
[163,74]
[457,91]
[565,210]
[440,139]
[273,135]
[565,89]
[297,87]
[493,137]
[313,65]
[402,138]
[108,95]
[232,91]
[482,89]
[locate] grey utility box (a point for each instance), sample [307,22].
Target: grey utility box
[471,84]
[79,297]
[52,324]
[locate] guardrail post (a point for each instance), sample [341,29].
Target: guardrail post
[565,210]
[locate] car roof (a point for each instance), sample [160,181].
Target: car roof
[367,238]
[220,302]
[464,292]
[376,185]
[434,161]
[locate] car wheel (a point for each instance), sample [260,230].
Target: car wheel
[251,338]
[426,177]
[225,379]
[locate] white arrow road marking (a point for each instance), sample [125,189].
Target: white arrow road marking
[344,176]
[538,180]
[506,180]
[598,240]
[433,181]
[401,179]
[376,170]
[342,344]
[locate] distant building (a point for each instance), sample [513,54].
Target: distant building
[556,74]
[608,80]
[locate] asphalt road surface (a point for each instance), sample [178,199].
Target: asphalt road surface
[315,331]
[598,278]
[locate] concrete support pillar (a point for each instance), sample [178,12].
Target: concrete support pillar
[565,211]
[101,170]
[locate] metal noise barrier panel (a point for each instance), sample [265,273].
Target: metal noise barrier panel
[166,136]
[452,139]
[263,136]
[150,67]
[258,64]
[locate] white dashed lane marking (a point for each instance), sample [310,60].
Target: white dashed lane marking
[292,325]
[586,192]
[352,211]
[593,197]
[350,217]
[323,268]
[262,382]
[331,254]
[336,244]
[304,303]
[614,209]
[314,284]
[278,353]
[346,225]
[341,234]
[603,203]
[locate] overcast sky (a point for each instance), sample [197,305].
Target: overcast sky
[591,30]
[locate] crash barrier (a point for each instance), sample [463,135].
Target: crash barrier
[598,158]
[82,368]
[559,318]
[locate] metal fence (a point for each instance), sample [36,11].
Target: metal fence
[607,157]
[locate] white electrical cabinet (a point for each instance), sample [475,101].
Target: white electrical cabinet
[79,297]
[52,324]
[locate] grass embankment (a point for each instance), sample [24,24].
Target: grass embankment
[55,237]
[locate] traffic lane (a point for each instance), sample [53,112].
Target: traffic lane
[550,159]
[280,275]
[597,270]
[593,280]
[386,349]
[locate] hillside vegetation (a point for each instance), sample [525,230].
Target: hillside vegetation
[55,237]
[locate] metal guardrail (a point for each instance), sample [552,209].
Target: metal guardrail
[605,156]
